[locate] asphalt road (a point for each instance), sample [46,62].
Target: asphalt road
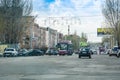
[100,67]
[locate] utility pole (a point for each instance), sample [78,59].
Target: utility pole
[31,34]
[68,30]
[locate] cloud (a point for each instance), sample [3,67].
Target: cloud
[82,15]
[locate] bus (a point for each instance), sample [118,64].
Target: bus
[65,48]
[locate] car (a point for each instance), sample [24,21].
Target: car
[114,51]
[22,52]
[85,52]
[101,50]
[34,52]
[93,51]
[10,52]
[76,51]
[52,52]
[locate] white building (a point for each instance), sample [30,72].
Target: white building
[51,37]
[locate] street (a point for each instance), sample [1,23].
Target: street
[100,67]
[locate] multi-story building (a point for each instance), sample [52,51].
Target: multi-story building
[38,37]
[51,37]
[43,37]
[59,37]
[26,39]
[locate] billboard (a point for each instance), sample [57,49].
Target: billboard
[104,31]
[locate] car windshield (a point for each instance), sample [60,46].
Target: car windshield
[85,49]
[9,50]
[115,49]
[62,46]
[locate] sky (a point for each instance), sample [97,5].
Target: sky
[81,15]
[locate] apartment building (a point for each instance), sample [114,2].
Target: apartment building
[43,36]
[37,37]
[49,37]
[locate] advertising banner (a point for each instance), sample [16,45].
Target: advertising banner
[104,31]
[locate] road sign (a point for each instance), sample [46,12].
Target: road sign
[83,44]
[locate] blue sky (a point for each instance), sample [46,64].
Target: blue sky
[82,16]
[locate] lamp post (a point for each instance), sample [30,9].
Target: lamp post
[68,30]
[31,34]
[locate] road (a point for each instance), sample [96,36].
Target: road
[100,67]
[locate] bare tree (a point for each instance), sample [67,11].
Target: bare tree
[83,37]
[111,12]
[12,13]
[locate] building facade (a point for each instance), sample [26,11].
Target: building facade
[43,37]
[51,37]
[38,37]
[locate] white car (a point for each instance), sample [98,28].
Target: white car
[114,52]
[10,52]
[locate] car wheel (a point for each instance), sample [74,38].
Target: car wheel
[117,56]
[90,57]
[79,56]
[4,56]
[11,55]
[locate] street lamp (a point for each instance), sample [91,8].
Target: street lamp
[68,30]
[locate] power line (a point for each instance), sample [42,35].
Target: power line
[52,17]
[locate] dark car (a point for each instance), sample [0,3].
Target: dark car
[52,52]
[22,52]
[85,52]
[34,52]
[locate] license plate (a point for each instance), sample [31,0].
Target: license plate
[7,54]
[84,52]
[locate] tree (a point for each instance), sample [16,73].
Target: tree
[83,37]
[12,13]
[111,12]
[75,39]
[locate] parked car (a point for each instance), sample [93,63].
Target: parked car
[22,52]
[10,52]
[52,51]
[76,51]
[114,52]
[85,52]
[34,52]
